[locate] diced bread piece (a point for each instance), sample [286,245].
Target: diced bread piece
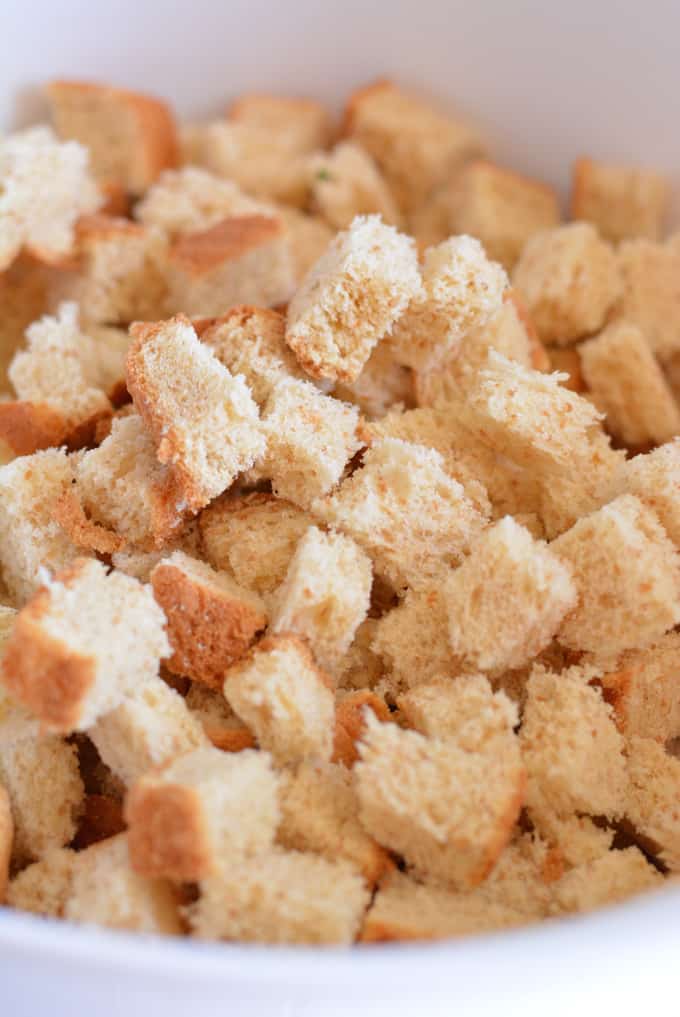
[383,383]
[151,727]
[23,297]
[43,887]
[287,702]
[302,125]
[27,427]
[201,813]
[350,721]
[408,514]
[251,341]
[308,237]
[627,573]
[45,186]
[222,727]
[507,600]
[30,539]
[86,534]
[412,639]
[448,811]
[325,595]
[651,293]
[254,536]
[575,839]
[82,644]
[131,137]
[607,880]
[284,897]
[351,299]
[462,290]
[211,620]
[653,799]
[569,278]
[628,385]
[320,813]
[654,478]
[56,369]
[118,274]
[571,747]
[190,199]
[6,841]
[242,259]
[622,201]
[45,792]
[589,480]
[106,891]
[310,439]
[466,709]
[417,147]
[123,487]
[346,182]
[502,209]
[203,420]
[644,690]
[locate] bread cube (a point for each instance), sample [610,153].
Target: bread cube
[644,690]
[308,237]
[574,839]
[242,259]
[190,199]
[651,293]
[653,799]
[416,147]
[211,620]
[627,384]
[627,574]
[287,702]
[23,297]
[466,709]
[610,879]
[569,278]
[351,299]
[622,201]
[82,644]
[46,186]
[43,887]
[131,137]
[410,517]
[654,478]
[345,183]
[203,420]
[502,209]
[284,897]
[302,125]
[201,813]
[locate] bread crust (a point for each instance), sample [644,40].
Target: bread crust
[199,253]
[167,832]
[6,837]
[70,514]
[27,427]
[350,723]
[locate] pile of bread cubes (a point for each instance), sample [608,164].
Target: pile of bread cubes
[339,525]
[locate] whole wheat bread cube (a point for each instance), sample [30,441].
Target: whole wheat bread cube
[466,709]
[502,209]
[627,574]
[302,125]
[627,384]
[382,384]
[23,296]
[569,278]
[222,727]
[201,813]
[607,880]
[346,182]
[43,887]
[118,271]
[242,259]
[654,478]
[203,420]
[45,792]
[448,811]
[151,727]
[211,620]
[461,291]
[624,202]
[653,799]
[571,747]
[191,199]
[644,690]
[253,536]
[351,299]
[284,897]
[86,640]
[131,137]
[310,439]
[651,293]
[325,595]
[106,891]
[320,813]
[45,186]
[30,539]
[287,702]
[410,517]
[416,146]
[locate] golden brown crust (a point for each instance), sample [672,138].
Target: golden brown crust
[616,690]
[350,723]
[6,837]
[27,427]
[506,825]
[117,202]
[167,835]
[70,514]
[355,100]
[208,628]
[199,253]
[229,739]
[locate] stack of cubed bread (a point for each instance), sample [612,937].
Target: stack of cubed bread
[339,525]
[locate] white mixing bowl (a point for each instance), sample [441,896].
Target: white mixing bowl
[548,82]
